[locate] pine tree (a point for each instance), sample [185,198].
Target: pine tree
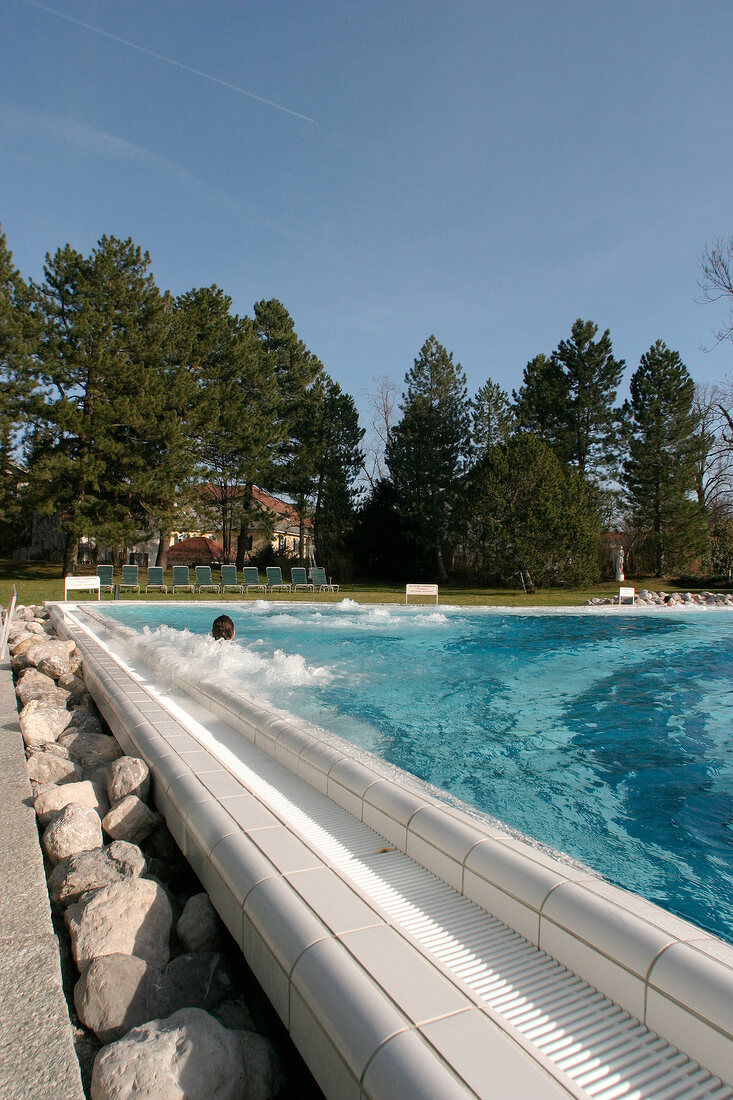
[235,403]
[539,406]
[528,519]
[568,401]
[169,451]
[428,453]
[97,374]
[591,375]
[337,445]
[493,418]
[660,472]
[15,347]
[297,370]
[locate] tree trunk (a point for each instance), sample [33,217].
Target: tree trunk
[301,532]
[442,571]
[224,527]
[243,539]
[71,547]
[161,558]
[659,535]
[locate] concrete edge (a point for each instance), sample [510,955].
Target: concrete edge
[37,1056]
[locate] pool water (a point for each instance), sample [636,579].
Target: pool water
[606,736]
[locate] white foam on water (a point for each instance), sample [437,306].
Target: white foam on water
[183,653]
[292,669]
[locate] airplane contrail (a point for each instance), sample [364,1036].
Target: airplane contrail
[168,60]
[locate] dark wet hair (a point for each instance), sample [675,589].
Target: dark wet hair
[223,627]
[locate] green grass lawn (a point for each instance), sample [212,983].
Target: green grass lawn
[39,581]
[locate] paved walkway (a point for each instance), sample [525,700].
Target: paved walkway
[37,1059]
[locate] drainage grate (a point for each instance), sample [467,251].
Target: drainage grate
[603,1049]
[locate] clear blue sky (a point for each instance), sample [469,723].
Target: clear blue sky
[486,171]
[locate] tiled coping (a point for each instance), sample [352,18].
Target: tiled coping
[668,974]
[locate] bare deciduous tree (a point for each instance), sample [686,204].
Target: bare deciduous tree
[716,280]
[382,400]
[713,405]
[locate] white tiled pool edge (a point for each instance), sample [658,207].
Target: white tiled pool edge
[664,971]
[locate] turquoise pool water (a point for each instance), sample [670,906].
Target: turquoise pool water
[607,736]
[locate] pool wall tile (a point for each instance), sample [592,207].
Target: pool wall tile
[345,798]
[433,859]
[148,740]
[403,1067]
[691,994]
[221,897]
[173,819]
[597,968]
[268,972]
[267,733]
[315,762]
[223,785]
[389,808]
[339,908]
[284,850]
[687,1031]
[509,885]
[185,791]
[442,844]
[508,908]
[169,767]
[618,933]
[352,775]
[240,864]
[351,1009]
[479,1053]
[249,813]
[208,823]
[324,1058]
[421,993]
[285,925]
[290,745]
[675,928]
[715,949]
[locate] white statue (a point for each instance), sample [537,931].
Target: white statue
[619,556]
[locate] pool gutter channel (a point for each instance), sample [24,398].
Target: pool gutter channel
[674,978]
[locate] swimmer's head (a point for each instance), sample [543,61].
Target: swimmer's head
[223,627]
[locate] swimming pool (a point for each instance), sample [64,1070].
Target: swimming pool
[606,736]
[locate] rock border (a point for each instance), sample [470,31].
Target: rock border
[647,598]
[145,950]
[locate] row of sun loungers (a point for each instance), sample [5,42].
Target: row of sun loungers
[203,580]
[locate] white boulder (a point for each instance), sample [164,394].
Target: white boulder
[130,819]
[188,1056]
[127,775]
[92,870]
[128,918]
[75,829]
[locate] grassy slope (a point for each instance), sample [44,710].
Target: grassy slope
[39,581]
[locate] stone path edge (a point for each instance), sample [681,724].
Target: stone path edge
[37,1057]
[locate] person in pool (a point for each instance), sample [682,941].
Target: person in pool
[223,627]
